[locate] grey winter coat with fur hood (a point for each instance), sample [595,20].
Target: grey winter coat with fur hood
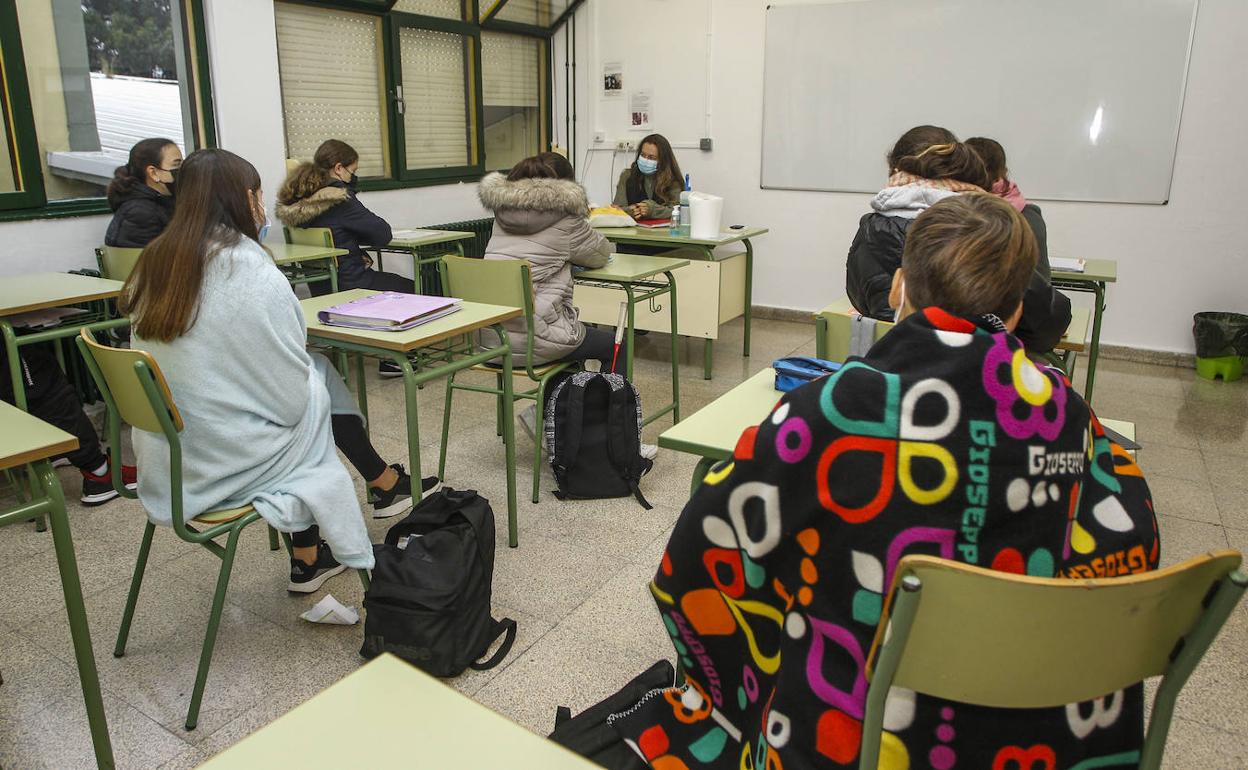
[545,221]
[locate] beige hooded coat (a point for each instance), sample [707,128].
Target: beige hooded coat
[545,221]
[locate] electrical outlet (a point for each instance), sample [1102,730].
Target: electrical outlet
[705,144]
[600,137]
[625,145]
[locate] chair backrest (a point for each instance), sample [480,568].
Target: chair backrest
[120,375]
[492,281]
[835,330]
[310,236]
[117,263]
[1010,641]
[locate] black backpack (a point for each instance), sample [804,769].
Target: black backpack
[429,598]
[591,732]
[593,437]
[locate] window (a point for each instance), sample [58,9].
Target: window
[423,92]
[92,78]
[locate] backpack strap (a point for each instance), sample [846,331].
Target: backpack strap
[499,627]
[624,437]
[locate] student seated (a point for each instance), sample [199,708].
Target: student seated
[50,397]
[323,194]
[928,164]
[541,215]
[1046,311]
[262,414]
[945,440]
[651,185]
[141,194]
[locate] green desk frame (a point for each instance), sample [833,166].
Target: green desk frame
[628,272]
[703,248]
[29,442]
[356,341]
[1096,274]
[288,255]
[412,246]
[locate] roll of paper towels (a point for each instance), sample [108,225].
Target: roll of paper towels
[707,212]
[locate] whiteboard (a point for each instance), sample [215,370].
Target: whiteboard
[1085,95]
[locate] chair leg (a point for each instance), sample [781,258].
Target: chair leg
[446,425]
[214,621]
[540,429]
[273,545]
[290,546]
[136,582]
[498,406]
[364,579]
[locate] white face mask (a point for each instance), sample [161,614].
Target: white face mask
[902,291]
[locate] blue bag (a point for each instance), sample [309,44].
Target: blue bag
[795,371]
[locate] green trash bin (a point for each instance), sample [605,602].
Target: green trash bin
[1221,344]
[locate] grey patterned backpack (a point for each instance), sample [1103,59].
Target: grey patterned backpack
[593,438]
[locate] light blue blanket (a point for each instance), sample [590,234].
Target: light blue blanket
[256,408]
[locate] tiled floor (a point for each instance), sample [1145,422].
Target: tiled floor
[575,584]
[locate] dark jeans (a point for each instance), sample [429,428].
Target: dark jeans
[352,439]
[50,397]
[599,344]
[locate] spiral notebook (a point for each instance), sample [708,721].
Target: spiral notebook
[388,311]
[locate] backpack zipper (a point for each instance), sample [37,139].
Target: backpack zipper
[611,718]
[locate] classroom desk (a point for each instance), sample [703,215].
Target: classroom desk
[627,272]
[1096,273]
[426,279]
[288,254]
[390,714]
[30,442]
[704,249]
[1074,339]
[397,346]
[711,433]
[39,291]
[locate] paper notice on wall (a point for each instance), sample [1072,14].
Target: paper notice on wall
[613,79]
[639,110]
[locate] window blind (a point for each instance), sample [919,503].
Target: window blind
[332,86]
[509,70]
[435,117]
[443,9]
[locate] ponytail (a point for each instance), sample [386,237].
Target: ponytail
[948,160]
[133,174]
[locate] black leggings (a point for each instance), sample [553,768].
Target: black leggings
[599,344]
[372,279]
[352,439]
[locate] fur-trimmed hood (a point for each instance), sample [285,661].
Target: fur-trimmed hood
[297,213]
[530,205]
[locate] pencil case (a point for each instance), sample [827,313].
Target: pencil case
[794,371]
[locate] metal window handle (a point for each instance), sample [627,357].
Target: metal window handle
[398,99]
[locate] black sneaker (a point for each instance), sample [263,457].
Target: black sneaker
[398,499]
[97,490]
[307,578]
[389,369]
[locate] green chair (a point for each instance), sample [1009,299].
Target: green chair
[834,330]
[498,282]
[136,392]
[115,262]
[310,236]
[987,638]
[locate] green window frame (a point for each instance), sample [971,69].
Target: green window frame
[400,96]
[18,124]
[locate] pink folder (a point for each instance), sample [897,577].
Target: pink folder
[388,311]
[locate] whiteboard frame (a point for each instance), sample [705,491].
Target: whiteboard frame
[1174,154]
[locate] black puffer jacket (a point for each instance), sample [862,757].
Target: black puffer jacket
[139,215]
[876,254]
[352,224]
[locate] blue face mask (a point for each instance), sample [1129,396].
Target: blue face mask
[264,228]
[647,166]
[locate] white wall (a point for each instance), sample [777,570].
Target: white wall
[1173,260]
[247,100]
